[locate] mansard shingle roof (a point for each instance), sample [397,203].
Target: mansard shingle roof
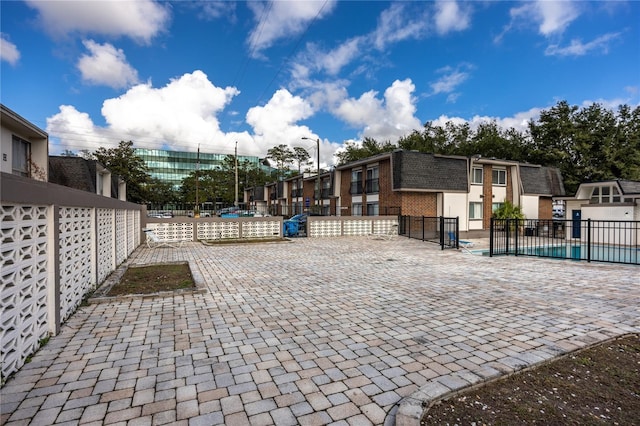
[417,170]
[541,180]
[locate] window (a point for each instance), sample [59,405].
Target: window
[499,177]
[605,194]
[495,206]
[372,180]
[372,209]
[21,155]
[476,175]
[475,210]
[356,209]
[356,182]
[326,188]
[615,195]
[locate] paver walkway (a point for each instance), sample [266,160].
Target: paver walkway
[316,331]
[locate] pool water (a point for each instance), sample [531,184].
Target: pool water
[601,253]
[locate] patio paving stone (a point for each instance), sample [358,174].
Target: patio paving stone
[317,331]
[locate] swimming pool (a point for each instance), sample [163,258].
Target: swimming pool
[598,252]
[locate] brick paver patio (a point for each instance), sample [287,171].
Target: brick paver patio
[314,332]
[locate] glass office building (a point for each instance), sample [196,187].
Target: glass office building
[173,166]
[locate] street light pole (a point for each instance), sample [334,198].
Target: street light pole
[235,198]
[318,174]
[196,208]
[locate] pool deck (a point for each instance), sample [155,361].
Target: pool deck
[343,331]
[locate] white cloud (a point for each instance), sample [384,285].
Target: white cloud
[450,17]
[183,115]
[180,115]
[281,112]
[334,60]
[551,17]
[578,48]
[398,23]
[8,51]
[106,65]
[555,16]
[276,20]
[216,9]
[386,119]
[450,80]
[75,131]
[276,123]
[518,121]
[140,20]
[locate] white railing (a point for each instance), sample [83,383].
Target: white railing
[209,229]
[57,245]
[351,226]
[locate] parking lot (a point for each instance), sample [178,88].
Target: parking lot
[317,331]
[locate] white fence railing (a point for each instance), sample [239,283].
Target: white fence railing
[336,226]
[209,229]
[57,245]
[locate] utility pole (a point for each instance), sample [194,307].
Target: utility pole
[196,209]
[319,193]
[235,202]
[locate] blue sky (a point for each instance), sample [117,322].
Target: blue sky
[178,75]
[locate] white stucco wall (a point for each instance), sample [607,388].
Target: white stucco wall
[5,149]
[598,212]
[529,205]
[499,194]
[454,204]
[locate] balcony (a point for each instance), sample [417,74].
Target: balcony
[372,186]
[356,188]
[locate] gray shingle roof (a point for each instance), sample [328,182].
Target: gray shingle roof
[417,170]
[73,172]
[629,187]
[541,180]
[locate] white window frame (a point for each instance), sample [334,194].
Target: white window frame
[21,154]
[474,181]
[496,173]
[472,210]
[373,209]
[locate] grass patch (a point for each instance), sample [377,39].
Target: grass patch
[154,279]
[224,241]
[598,385]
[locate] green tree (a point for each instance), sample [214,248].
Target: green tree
[301,157]
[508,211]
[159,193]
[587,144]
[213,186]
[123,161]
[368,148]
[282,155]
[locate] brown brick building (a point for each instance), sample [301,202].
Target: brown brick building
[421,184]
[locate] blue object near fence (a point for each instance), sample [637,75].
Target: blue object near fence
[290,228]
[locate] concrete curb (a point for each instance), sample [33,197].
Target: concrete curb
[413,407]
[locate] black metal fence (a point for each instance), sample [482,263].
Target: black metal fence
[440,230]
[610,241]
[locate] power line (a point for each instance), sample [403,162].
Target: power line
[293,50]
[254,44]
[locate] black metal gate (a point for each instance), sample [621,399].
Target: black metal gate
[436,229]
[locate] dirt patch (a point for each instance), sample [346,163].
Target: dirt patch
[598,385]
[244,241]
[153,279]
